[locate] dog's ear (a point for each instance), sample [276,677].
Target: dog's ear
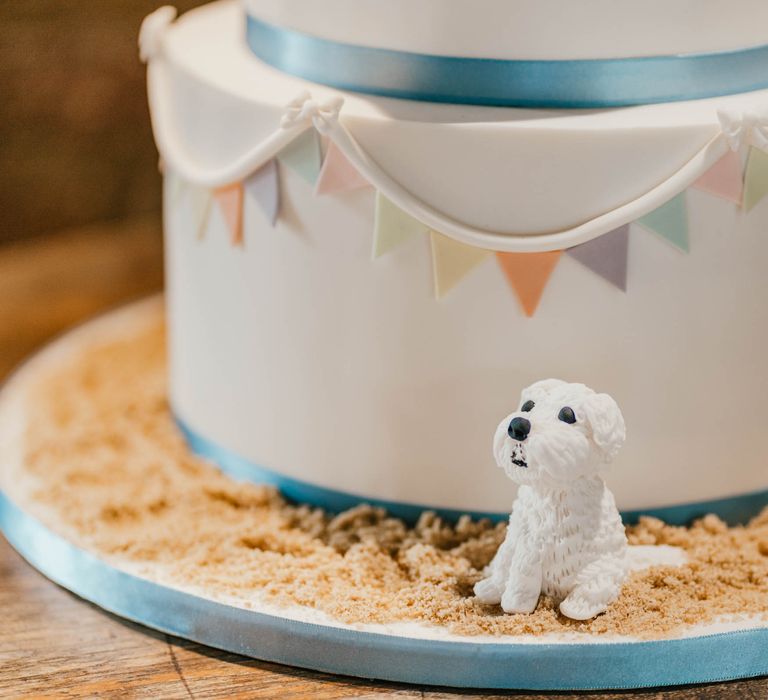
[499,438]
[606,422]
[538,390]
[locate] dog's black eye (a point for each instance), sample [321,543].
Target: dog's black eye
[567,415]
[527,406]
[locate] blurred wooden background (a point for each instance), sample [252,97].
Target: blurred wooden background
[75,140]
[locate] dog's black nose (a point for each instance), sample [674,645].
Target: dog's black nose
[519,428]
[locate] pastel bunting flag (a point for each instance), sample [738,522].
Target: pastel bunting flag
[392,226]
[670,221]
[725,179]
[338,174]
[756,178]
[264,188]
[230,201]
[606,256]
[452,261]
[200,201]
[528,274]
[303,156]
[177,186]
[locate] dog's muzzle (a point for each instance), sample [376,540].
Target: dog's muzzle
[518,456]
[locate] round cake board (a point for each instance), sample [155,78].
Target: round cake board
[407,653]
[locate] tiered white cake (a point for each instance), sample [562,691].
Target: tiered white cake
[297,359]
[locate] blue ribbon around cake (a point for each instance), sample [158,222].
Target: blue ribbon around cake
[578,83]
[734,510]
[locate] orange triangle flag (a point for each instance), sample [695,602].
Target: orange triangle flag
[527,274]
[338,174]
[230,201]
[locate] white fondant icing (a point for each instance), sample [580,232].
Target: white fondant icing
[484,176]
[527,29]
[153,31]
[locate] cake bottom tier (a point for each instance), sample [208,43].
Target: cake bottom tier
[100,492]
[295,358]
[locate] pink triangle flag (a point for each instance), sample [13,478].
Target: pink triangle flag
[264,187]
[230,200]
[606,256]
[338,174]
[725,179]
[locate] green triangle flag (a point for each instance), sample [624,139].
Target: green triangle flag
[303,156]
[451,261]
[392,226]
[756,178]
[670,221]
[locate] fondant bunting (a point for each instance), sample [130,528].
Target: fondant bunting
[452,261]
[392,226]
[606,256]
[528,274]
[200,200]
[725,179]
[264,188]
[230,201]
[337,174]
[670,221]
[303,156]
[756,179]
[177,186]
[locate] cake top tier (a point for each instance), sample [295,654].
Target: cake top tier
[552,53]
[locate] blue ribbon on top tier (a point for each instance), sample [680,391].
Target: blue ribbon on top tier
[583,83]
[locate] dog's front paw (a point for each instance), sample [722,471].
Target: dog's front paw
[489,591]
[517,602]
[580,608]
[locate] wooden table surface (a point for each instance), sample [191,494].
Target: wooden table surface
[52,643]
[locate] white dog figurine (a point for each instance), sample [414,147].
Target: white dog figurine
[565,537]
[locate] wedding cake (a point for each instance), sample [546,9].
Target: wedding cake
[385,219]
[403,238]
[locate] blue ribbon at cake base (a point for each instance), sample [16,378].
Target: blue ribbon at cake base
[734,510]
[578,83]
[385,656]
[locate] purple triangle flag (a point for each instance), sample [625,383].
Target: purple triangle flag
[264,187]
[606,256]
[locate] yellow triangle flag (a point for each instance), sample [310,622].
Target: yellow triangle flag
[528,274]
[200,200]
[230,200]
[176,185]
[756,178]
[392,226]
[452,261]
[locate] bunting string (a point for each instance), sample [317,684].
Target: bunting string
[527,262]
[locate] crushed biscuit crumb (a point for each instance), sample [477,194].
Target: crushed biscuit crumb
[109,468]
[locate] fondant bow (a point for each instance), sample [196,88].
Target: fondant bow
[740,128]
[304,108]
[153,29]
